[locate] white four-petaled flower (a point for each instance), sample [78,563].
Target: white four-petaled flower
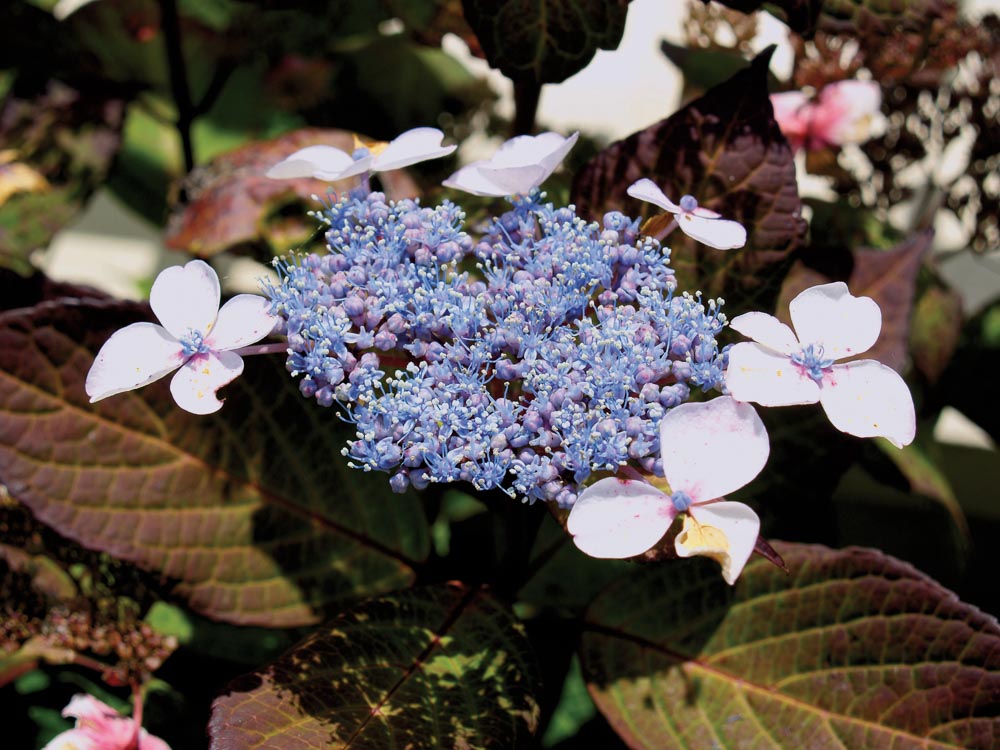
[842,113]
[696,222]
[708,450]
[331,164]
[195,336]
[520,164]
[863,398]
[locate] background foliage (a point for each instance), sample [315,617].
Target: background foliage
[256,592]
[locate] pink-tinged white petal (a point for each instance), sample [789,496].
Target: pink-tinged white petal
[726,532]
[868,399]
[186,298]
[243,320]
[321,162]
[195,384]
[766,330]
[100,727]
[616,518]
[133,357]
[647,190]
[758,374]
[411,147]
[712,448]
[470,179]
[722,234]
[75,739]
[793,112]
[829,315]
[704,213]
[845,111]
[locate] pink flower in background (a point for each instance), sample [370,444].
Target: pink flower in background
[842,113]
[100,727]
[196,336]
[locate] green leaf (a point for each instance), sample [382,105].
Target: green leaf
[887,276]
[703,68]
[935,331]
[726,150]
[853,649]
[442,666]
[251,513]
[545,41]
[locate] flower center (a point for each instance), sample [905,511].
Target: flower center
[811,360]
[681,501]
[194,343]
[688,203]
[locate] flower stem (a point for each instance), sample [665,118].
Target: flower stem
[178,79]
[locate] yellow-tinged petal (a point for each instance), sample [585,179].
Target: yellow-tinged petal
[724,531]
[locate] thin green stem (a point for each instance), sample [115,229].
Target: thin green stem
[178,79]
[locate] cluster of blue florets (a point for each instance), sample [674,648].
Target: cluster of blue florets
[546,351]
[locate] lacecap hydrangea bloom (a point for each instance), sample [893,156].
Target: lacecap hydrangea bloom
[528,359]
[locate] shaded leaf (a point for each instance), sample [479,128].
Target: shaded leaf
[935,331]
[726,150]
[703,68]
[799,15]
[442,666]
[878,16]
[55,149]
[887,276]
[250,512]
[852,649]
[545,41]
[230,202]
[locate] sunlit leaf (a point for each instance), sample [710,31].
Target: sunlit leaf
[251,513]
[853,649]
[443,666]
[545,41]
[935,330]
[726,150]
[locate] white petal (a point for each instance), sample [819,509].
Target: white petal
[242,320]
[411,147]
[545,149]
[186,298]
[470,179]
[829,315]
[726,532]
[619,518]
[721,234]
[704,213]
[322,162]
[516,180]
[195,384]
[133,357]
[756,373]
[846,110]
[713,448]
[647,190]
[64,8]
[767,330]
[868,399]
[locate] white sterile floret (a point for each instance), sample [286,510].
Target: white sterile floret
[863,398]
[195,336]
[701,224]
[521,164]
[332,164]
[708,450]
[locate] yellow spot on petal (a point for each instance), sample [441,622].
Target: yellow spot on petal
[708,541]
[374,147]
[206,371]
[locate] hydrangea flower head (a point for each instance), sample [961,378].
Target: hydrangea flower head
[331,164]
[520,165]
[708,450]
[195,336]
[701,224]
[100,727]
[863,398]
[842,113]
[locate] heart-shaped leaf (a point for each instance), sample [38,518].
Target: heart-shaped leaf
[442,666]
[852,649]
[252,512]
[726,150]
[545,41]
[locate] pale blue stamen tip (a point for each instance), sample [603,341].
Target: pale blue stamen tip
[193,343]
[812,361]
[681,501]
[359,154]
[688,203]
